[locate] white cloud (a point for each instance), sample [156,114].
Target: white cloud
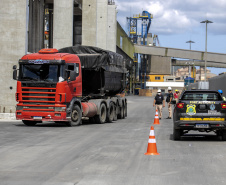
[177,16]
[156,8]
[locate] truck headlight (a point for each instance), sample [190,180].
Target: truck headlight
[60,109]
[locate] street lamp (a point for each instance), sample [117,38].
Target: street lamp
[206,21]
[190,42]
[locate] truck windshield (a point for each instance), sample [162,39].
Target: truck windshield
[202,96]
[36,72]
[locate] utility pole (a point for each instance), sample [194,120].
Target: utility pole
[206,21]
[191,42]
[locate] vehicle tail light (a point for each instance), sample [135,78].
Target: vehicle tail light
[223,105]
[180,105]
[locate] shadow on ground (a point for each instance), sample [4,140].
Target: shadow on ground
[198,137]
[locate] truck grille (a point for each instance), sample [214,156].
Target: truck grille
[38,98]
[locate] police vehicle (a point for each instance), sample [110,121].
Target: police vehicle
[201,110]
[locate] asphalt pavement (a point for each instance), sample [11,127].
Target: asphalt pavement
[109,154]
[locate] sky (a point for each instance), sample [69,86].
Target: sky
[178,21]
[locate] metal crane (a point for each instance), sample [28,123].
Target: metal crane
[137,38]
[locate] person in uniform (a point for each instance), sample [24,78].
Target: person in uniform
[169,98]
[159,102]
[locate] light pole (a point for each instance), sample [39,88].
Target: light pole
[191,42]
[206,21]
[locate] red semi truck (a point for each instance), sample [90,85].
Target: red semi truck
[68,84]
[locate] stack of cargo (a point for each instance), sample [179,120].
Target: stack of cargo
[145,92]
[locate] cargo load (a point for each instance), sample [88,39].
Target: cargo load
[103,71]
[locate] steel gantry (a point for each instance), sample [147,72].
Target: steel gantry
[146,19]
[141,37]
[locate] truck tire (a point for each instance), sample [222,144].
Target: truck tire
[125,109]
[110,113]
[76,116]
[29,123]
[223,135]
[118,110]
[101,118]
[176,134]
[115,114]
[122,111]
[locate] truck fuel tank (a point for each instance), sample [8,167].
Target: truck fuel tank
[89,109]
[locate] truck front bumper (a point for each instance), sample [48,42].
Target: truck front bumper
[42,116]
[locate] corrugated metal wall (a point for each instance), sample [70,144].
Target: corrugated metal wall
[218,82]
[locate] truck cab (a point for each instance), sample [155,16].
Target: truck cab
[46,84]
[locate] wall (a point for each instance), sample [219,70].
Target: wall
[63,23]
[102,18]
[124,42]
[111,28]
[13,47]
[160,65]
[217,83]
[89,22]
[99,24]
[164,86]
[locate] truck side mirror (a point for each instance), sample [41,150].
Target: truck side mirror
[14,72]
[72,75]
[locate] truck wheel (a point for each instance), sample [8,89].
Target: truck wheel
[122,111]
[76,116]
[176,134]
[223,135]
[118,111]
[115,114]
[101,118]
[110,113]
[125,109]
[29,123]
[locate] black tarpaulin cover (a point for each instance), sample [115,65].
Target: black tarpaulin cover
[95,58]
[103,72]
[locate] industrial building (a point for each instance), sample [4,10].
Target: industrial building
[30,25]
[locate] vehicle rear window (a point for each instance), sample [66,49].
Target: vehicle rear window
[201,96]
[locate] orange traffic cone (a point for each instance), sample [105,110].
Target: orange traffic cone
[156,120]
[152,148]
